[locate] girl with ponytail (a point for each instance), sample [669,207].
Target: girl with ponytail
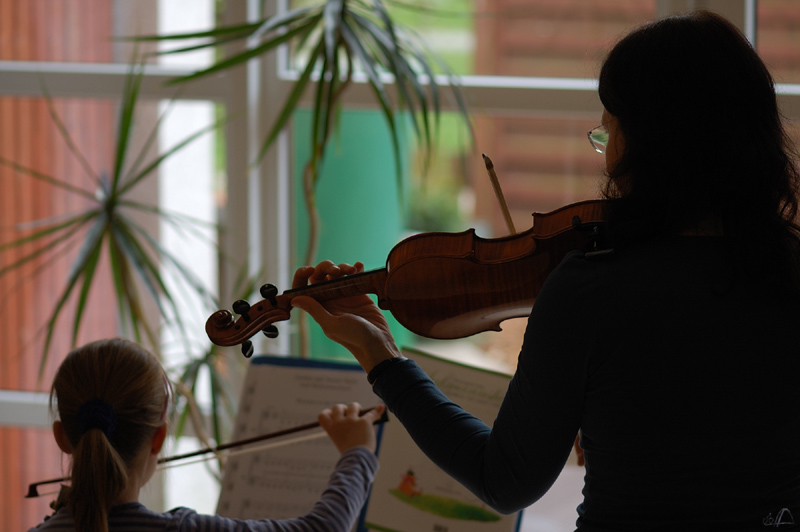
[111,399]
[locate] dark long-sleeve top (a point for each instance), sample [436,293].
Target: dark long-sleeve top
[680,370]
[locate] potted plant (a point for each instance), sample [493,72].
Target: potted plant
[110,226]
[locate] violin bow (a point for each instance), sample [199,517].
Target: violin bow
[33,489]
[498,192]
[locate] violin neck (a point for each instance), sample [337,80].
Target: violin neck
[371,282]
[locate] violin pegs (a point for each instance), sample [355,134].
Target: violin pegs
[269,291]
[270,332]
[247,349]
[242,307]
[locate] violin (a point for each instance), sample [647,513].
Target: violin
[439,285]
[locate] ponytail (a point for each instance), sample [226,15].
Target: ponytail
[99,476]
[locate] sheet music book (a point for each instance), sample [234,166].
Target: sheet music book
[410,493]
[280,393]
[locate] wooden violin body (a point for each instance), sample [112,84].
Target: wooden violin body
[442,285]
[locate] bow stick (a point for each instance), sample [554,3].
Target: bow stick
[33,490]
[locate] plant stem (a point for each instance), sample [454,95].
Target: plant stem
[310,174]
[310,178]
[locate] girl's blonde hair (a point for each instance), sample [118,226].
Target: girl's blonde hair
[111,396]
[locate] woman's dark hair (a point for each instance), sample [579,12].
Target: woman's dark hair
[703,137]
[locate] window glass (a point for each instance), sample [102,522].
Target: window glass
[542,163]
[29,456]
[88,31]
[31,138]
[186,186]
[778,38]
[189,187]
[79,150]
[555,38]
[192,484]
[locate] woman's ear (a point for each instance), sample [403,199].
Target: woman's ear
[158,439]
[61,437]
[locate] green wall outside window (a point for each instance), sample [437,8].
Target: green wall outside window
[358,200]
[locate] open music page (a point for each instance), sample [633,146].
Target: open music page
[280,393]
[410,493]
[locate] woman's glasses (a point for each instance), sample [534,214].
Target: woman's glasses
[598,137]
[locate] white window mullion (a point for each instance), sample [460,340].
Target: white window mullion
[102,80]
[24,409]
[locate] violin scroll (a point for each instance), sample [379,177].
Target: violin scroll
[223,329]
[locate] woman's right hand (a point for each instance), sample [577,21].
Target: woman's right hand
[348,429]
[354,322]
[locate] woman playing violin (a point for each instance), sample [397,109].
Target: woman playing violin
[675,356]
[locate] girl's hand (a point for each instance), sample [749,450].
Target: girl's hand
[354,322]
[348,429]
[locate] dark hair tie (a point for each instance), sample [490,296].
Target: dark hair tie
[96,414]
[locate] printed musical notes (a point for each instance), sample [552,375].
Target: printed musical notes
[280,393]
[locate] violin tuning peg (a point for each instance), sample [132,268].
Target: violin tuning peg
[269,291]
[247,349]
[241,307]
[270,332]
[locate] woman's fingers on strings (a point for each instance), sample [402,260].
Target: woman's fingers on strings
[301,276]
[358,267]
[306,275]
[324,271]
